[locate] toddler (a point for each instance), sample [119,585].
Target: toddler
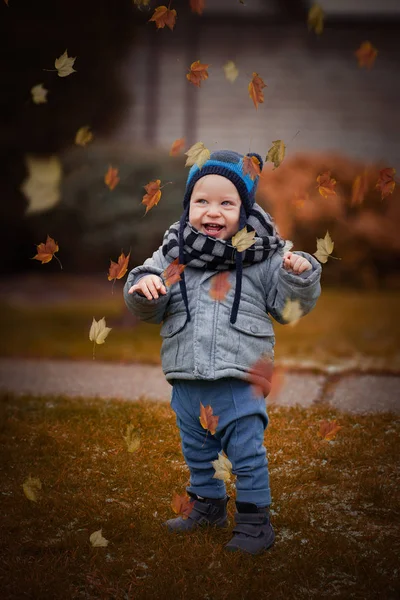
[209,346]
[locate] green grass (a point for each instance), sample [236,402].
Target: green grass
[335,507]
[345,325]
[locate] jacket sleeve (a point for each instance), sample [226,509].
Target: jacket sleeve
[150,311]
[283,285]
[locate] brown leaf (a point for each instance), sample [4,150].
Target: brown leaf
[177,146]
[220,286]
[260,375]
[118,270]
[359,189]
[111,177]
[366,55]
[255,89]
[386,181]
[164,16]
[45,252]
[197,73]
[328,429]
[172,273]
[251,166]
[153,195]
[207,419]
[197,6]
[181,505]
[326,184]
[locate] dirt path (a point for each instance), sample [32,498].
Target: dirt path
[349,392]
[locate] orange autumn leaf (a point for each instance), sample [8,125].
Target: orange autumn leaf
[172,273]
[45,252]
[197,73]
[181,505]
[386,181]
[326,184]
[255,89]
[251,166]
[328,429]
[164,16]
[300,198]
[111,177]
[207,419]
[220,286]
[177,146]
[260,375]
[118,270]
[197,6]
[153,195]
[359,189]
[366,55]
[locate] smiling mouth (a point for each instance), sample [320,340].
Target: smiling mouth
[213,229]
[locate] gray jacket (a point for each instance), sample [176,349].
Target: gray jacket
[209,346]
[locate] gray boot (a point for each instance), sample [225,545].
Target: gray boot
[253,532]
[207,511]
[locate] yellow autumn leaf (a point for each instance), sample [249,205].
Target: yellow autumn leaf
[64,65]
[276,153]
[132,438]
[83,136]
[292,311]
[39,94]
[316,19]
[98,331]
[97,540]
[197,154]
[223,468]
[42,186]
[32,487]
[324,248]
[231,71]
[243,239]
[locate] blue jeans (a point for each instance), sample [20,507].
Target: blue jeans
[242,421]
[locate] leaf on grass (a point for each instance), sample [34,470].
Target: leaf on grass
[83,136]
[197,73]
[223,468]
[181,505]
[45,252]
[251,166]
[386,181]
[132,438]
[118,270]
[64,65]
[198,154]
[315,19]
[152,198]
[39,94]
[366,55]
[172,273]
[97,540]
[98,331]
[111,177]
[328,429]
[220,286]
[243,239]
[32,487]
[276,153]
[177,146]
[326,184]
[255,89]
[207,419]
[231,71]
[164,16]
[197,6]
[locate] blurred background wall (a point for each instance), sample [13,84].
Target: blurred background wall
[130,88]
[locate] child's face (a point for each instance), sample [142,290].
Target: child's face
[216,200]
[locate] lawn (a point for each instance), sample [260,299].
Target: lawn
[347,327]
[335,507]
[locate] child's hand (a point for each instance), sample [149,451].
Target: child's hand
[296,262]
[148,286]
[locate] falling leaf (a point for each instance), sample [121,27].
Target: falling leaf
[366,55]
[300,198]
[198,154]
[97,540]
[292,311]
[386,181]
[153,195]
[223,468]
[276,153]
[324,248]
[251,166]
[177,146]
[207,419]
[287,247]
[64,64]
[42,186]
[118,270]
[32,487]
[45,252]
[98,332]
[164,16]
[220,286]
[172,273]
[255,89]
[326,184]
[39,94]
[259,374]
[197,6]
[197,73]
[111,177]
[359,188]
[328,429]
[132,438]
[181,505]
[243,239]
[83,136]
[231,71]
[316,19]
